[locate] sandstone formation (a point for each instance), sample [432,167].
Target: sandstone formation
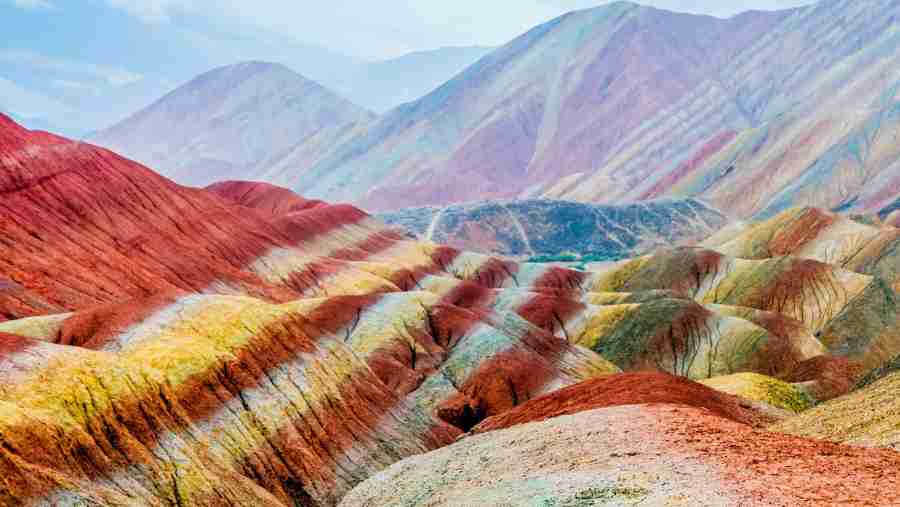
[164,345]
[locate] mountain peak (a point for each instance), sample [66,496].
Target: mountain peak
[225,121]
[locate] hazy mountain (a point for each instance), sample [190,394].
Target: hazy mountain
[227,120]
[125,62]
[551,104]
[619,103]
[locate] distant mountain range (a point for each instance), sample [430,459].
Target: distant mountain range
[543,110]
[616,104]
[86,84]
[622,103]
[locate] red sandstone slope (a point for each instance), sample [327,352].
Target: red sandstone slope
[263,196]
[82,226]
[626,389]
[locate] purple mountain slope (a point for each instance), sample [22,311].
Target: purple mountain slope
[227,120]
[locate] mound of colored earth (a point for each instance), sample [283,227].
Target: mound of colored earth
[262,196]
[637,455]
[627,389]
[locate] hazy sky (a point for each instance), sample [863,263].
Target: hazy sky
[375,29]
[106,58]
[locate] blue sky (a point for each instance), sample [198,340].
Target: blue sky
[384,28]
[110,57]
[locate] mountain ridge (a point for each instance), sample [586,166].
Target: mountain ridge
[533,140]
[565,111]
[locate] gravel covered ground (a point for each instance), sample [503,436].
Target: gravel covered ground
[602,457]
[666,455]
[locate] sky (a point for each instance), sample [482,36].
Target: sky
[384,28]
[381,29]
[105,58]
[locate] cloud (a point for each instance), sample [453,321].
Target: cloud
[385,28]
[149,11]
[75,86]
[360,27]
[111,76]
[32,4]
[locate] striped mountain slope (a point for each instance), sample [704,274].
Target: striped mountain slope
[851,314]
[812,233]
[262,196]
[302,399]
[162,345]
[869,416]
[622,103]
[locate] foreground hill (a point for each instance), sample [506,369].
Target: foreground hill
[653,454]
[165,345]
[556,229]
[227,120]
